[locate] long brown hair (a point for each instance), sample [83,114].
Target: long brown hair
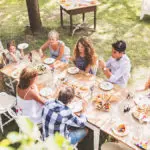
[90,55]
[26,76]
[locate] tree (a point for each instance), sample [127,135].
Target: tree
[34,15]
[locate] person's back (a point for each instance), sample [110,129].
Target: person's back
[29,101]
[58,117]
[30,108]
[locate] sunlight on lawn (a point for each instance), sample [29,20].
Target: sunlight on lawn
[115,20]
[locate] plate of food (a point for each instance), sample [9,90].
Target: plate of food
[46,91]
[16,73]
[23,45]
[141,113]
[49,61]
[41,68]
[120,129]
[73,70]
[106,86]
[76,106]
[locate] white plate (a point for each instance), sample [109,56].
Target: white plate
[16,73]
[76,106]
[73,70]
[115,131]
[106,85]
[142,100]
[49,61]
[45,91]
[23,45]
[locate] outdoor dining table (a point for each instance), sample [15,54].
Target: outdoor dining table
[75,7]
[98,120]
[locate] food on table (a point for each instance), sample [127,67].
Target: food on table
[73,70]
[83,88]
[105,97]
[142,114]
[41,68]
[142,145]
[106,106]
[121,128]
[106,86]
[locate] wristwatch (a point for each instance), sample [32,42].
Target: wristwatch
[104,69]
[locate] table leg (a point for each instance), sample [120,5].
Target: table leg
[96,135]
[70,23]
[83,17]
[61,16]
[95,18]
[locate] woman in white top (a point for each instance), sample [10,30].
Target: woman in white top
[28,99]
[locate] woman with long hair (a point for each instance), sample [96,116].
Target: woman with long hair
[29,101]
[84,55]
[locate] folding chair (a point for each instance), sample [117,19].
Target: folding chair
[7,102]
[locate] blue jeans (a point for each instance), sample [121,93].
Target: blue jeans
[77,135]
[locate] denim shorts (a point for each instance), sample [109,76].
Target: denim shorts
[77,135]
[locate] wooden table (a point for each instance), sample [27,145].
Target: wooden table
[97,120]
[77,9]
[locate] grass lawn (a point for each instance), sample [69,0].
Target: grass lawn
[115,20]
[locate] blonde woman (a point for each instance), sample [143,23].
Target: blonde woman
[28,99]
[55,46]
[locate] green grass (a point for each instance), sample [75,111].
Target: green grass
[115,20]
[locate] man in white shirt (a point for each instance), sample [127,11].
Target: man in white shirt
[117,68]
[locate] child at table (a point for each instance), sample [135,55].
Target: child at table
[84,55]
[13,55]
[55,46]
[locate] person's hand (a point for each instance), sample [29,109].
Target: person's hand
[12,54]
[41,53]
[84,105]
[101,64]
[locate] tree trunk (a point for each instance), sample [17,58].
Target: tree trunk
[34,15]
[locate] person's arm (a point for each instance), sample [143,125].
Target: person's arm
[61,52]
[36,96]
[87,69]
[13,57]
[147,85]
[22,53]
[43,47]
[124,68]
[76,121]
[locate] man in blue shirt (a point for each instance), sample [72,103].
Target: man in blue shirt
[58,117]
